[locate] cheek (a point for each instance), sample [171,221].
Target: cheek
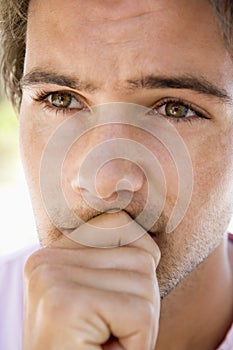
[212,159]
[30,147]
[34,134]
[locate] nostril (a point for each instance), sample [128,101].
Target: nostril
[112,187]
[117,176]
[85,193]
[111,180]
[110,198]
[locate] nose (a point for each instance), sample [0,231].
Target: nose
[108,165]
[113,177]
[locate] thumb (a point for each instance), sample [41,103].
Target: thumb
[110,230]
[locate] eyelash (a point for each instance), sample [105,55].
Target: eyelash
[197,114]
[41,96]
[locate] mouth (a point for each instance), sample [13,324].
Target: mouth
[68,231]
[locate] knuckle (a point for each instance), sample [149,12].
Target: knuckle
[34,261]
[147,263]
[40,279]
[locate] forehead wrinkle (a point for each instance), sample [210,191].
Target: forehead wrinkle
[108,28]
[119,18]
[95,11]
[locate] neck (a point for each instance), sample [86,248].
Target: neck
[199,311]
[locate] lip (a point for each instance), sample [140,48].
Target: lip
[113,211]
[68,231]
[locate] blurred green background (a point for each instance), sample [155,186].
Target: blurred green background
[8,142]
[16,217]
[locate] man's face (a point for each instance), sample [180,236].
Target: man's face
[167,55]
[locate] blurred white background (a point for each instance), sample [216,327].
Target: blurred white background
[16,217]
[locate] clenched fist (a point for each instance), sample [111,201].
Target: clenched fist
[80,298]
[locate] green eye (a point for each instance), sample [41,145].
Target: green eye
[60,99]
[176,109]
[60,102]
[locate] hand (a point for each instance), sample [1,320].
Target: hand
[76,297]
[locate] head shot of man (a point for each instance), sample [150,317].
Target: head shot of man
[125,112]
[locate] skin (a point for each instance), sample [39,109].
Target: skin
[91,41]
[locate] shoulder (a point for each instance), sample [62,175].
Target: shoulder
[19,254]
[11,269]
[228,341]
[15,262]
[11,297]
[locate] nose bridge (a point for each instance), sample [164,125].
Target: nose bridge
[116,171]
[110,131]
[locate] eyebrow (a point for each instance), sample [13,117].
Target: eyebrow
[37,76]
[188,82]
[198,84]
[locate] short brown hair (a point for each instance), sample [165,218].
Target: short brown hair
[13,23]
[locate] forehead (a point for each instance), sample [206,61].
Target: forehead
[121,39]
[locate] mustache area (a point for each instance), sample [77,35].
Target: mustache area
[83,213]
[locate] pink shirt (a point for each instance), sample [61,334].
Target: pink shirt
[11,301]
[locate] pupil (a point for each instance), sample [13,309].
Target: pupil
[174,109]
[61,100]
